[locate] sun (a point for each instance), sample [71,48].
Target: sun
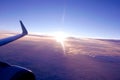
[60,36]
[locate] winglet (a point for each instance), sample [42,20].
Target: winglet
[24,31]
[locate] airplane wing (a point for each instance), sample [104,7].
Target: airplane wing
[13,38]
[13,72]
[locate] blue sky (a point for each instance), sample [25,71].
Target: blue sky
[79,18]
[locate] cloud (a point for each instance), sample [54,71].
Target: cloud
[83,59]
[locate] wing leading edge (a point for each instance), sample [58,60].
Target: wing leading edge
[13,38]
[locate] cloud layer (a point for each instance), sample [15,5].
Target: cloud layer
[84,59]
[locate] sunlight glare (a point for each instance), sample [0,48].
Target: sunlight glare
[61,37]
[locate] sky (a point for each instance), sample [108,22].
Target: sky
[77,18]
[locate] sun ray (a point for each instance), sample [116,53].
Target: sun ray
[61,37]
